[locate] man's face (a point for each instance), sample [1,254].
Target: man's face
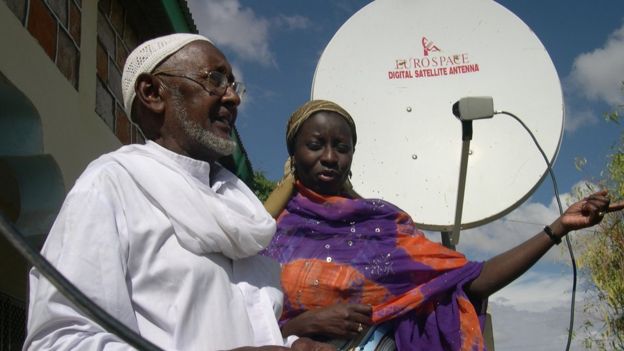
[198,123]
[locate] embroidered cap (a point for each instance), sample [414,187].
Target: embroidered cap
[146,57]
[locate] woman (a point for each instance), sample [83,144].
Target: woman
[349,262]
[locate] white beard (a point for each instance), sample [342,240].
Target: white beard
[206,138]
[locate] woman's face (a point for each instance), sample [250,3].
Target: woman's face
[323,152]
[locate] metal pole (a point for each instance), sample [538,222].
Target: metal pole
[461,187]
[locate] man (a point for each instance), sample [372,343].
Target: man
[160,235]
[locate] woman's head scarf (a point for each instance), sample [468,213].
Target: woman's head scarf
[306,111]
[279,197]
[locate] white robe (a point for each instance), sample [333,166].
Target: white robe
[154,260]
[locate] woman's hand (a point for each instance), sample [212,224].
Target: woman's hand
[504,268]
[342,321]
[585,213]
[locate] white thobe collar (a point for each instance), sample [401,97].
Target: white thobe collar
[196,168]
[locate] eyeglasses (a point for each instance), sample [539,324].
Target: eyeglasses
[213,82]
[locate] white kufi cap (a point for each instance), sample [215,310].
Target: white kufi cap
[146,57]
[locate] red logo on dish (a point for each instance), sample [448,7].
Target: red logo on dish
[428,46]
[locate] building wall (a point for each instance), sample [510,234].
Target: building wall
[73,133]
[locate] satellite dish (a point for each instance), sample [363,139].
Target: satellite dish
[398,66]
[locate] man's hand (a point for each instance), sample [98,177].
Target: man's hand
[306,344]
[262,348]
[301,344]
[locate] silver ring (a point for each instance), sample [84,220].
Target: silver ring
[360,328]
[601,213]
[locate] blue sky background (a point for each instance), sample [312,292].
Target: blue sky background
[275,45]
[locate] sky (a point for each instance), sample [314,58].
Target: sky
[274,46]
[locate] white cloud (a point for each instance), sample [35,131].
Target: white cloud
[233,26]
[518,226]
[537,291]
[533,313]
[230,25]
[598,75]
[292,22]
[579,117]
[538,331]
[595,76]
[515,228]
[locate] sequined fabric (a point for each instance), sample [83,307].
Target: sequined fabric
[340,250]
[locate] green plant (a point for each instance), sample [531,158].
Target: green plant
[262,186]
[602,259]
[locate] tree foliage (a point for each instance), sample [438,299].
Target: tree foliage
[602,259]
[262,186]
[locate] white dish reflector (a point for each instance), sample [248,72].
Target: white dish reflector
[399,65]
